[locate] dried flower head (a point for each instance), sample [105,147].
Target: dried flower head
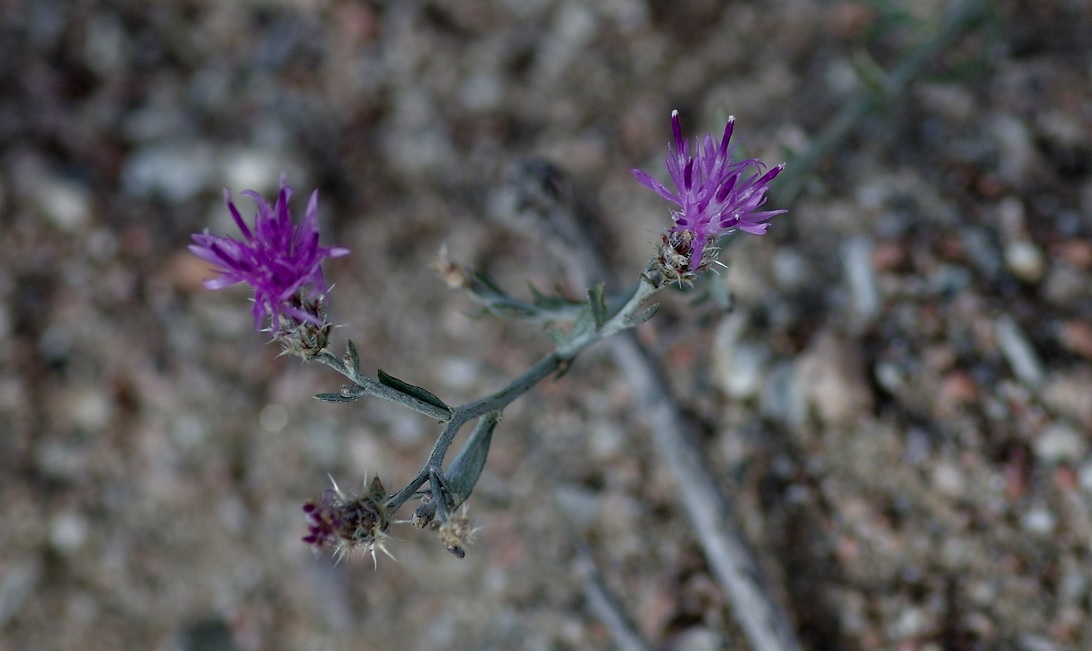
[457,532]
[715,196]
[344,523]
[452,273]
[280,260]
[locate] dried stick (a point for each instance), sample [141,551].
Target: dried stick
[766,624]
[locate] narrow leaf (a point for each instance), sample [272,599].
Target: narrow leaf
[585,323]
[336,397]
[487,283]
[638,319]
[549,301]
[464,471]
[597,302]
[411,390]
[556,335]
[352,357]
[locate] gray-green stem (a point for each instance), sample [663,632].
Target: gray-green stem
[369,387]
[550,364]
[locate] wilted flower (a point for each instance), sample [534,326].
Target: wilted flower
[457,532]
[715,196]
[344,523]
[280,260]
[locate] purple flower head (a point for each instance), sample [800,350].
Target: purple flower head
[715,194]
[346,522]
[280,260]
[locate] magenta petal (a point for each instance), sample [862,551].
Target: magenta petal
[713,192]
[281,261]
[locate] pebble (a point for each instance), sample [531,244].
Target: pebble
[1018,352]
[1076,252]
[89,408]
[696,639]
[982,251]
[1060,443]
[1084,477]
[172,172]
[832,373]
[1038,521]
[1076,335]
[19,578]
[1025,260]
[1017,159]
[857,261]
[948,479]
[1033,642]
[1067,394]
[791,270]
[782,396]
[65,204]
[67,532]
[739,364]
[1065,285]
[909,623]
[258,169]
[579,504]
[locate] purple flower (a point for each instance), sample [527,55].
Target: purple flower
[715,196]
[346,522]
[281,261]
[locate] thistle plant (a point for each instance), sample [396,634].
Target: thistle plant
[282,263]
[715,197]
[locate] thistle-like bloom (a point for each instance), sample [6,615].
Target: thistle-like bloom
[280,260]
[344,523]
[715,195]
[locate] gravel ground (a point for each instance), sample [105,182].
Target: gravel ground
[899,399]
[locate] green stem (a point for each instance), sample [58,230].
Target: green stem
[548,365]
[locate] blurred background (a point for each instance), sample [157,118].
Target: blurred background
[898,399]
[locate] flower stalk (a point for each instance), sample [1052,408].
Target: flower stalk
[281,261]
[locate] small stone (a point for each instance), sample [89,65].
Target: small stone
[696,639]
[67,532]
[579,504]
[857,262]
[1033,642]
[1038,521]
[65,204]
[957,389]
[909,623]
[791,270]
[1068,395]
[1064,285]
[888,256]
[948,479]
[1060,443]
[1076,336]
[1076,252]
[19,580]
[783,395]
[1018,351]
[739,364]
[174,172]
[256,169]
[1025,260]
[832,374]
[1018,157]
[1084,477]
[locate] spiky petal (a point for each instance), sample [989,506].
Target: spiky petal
[714,194]
[348,522]
[280,260]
